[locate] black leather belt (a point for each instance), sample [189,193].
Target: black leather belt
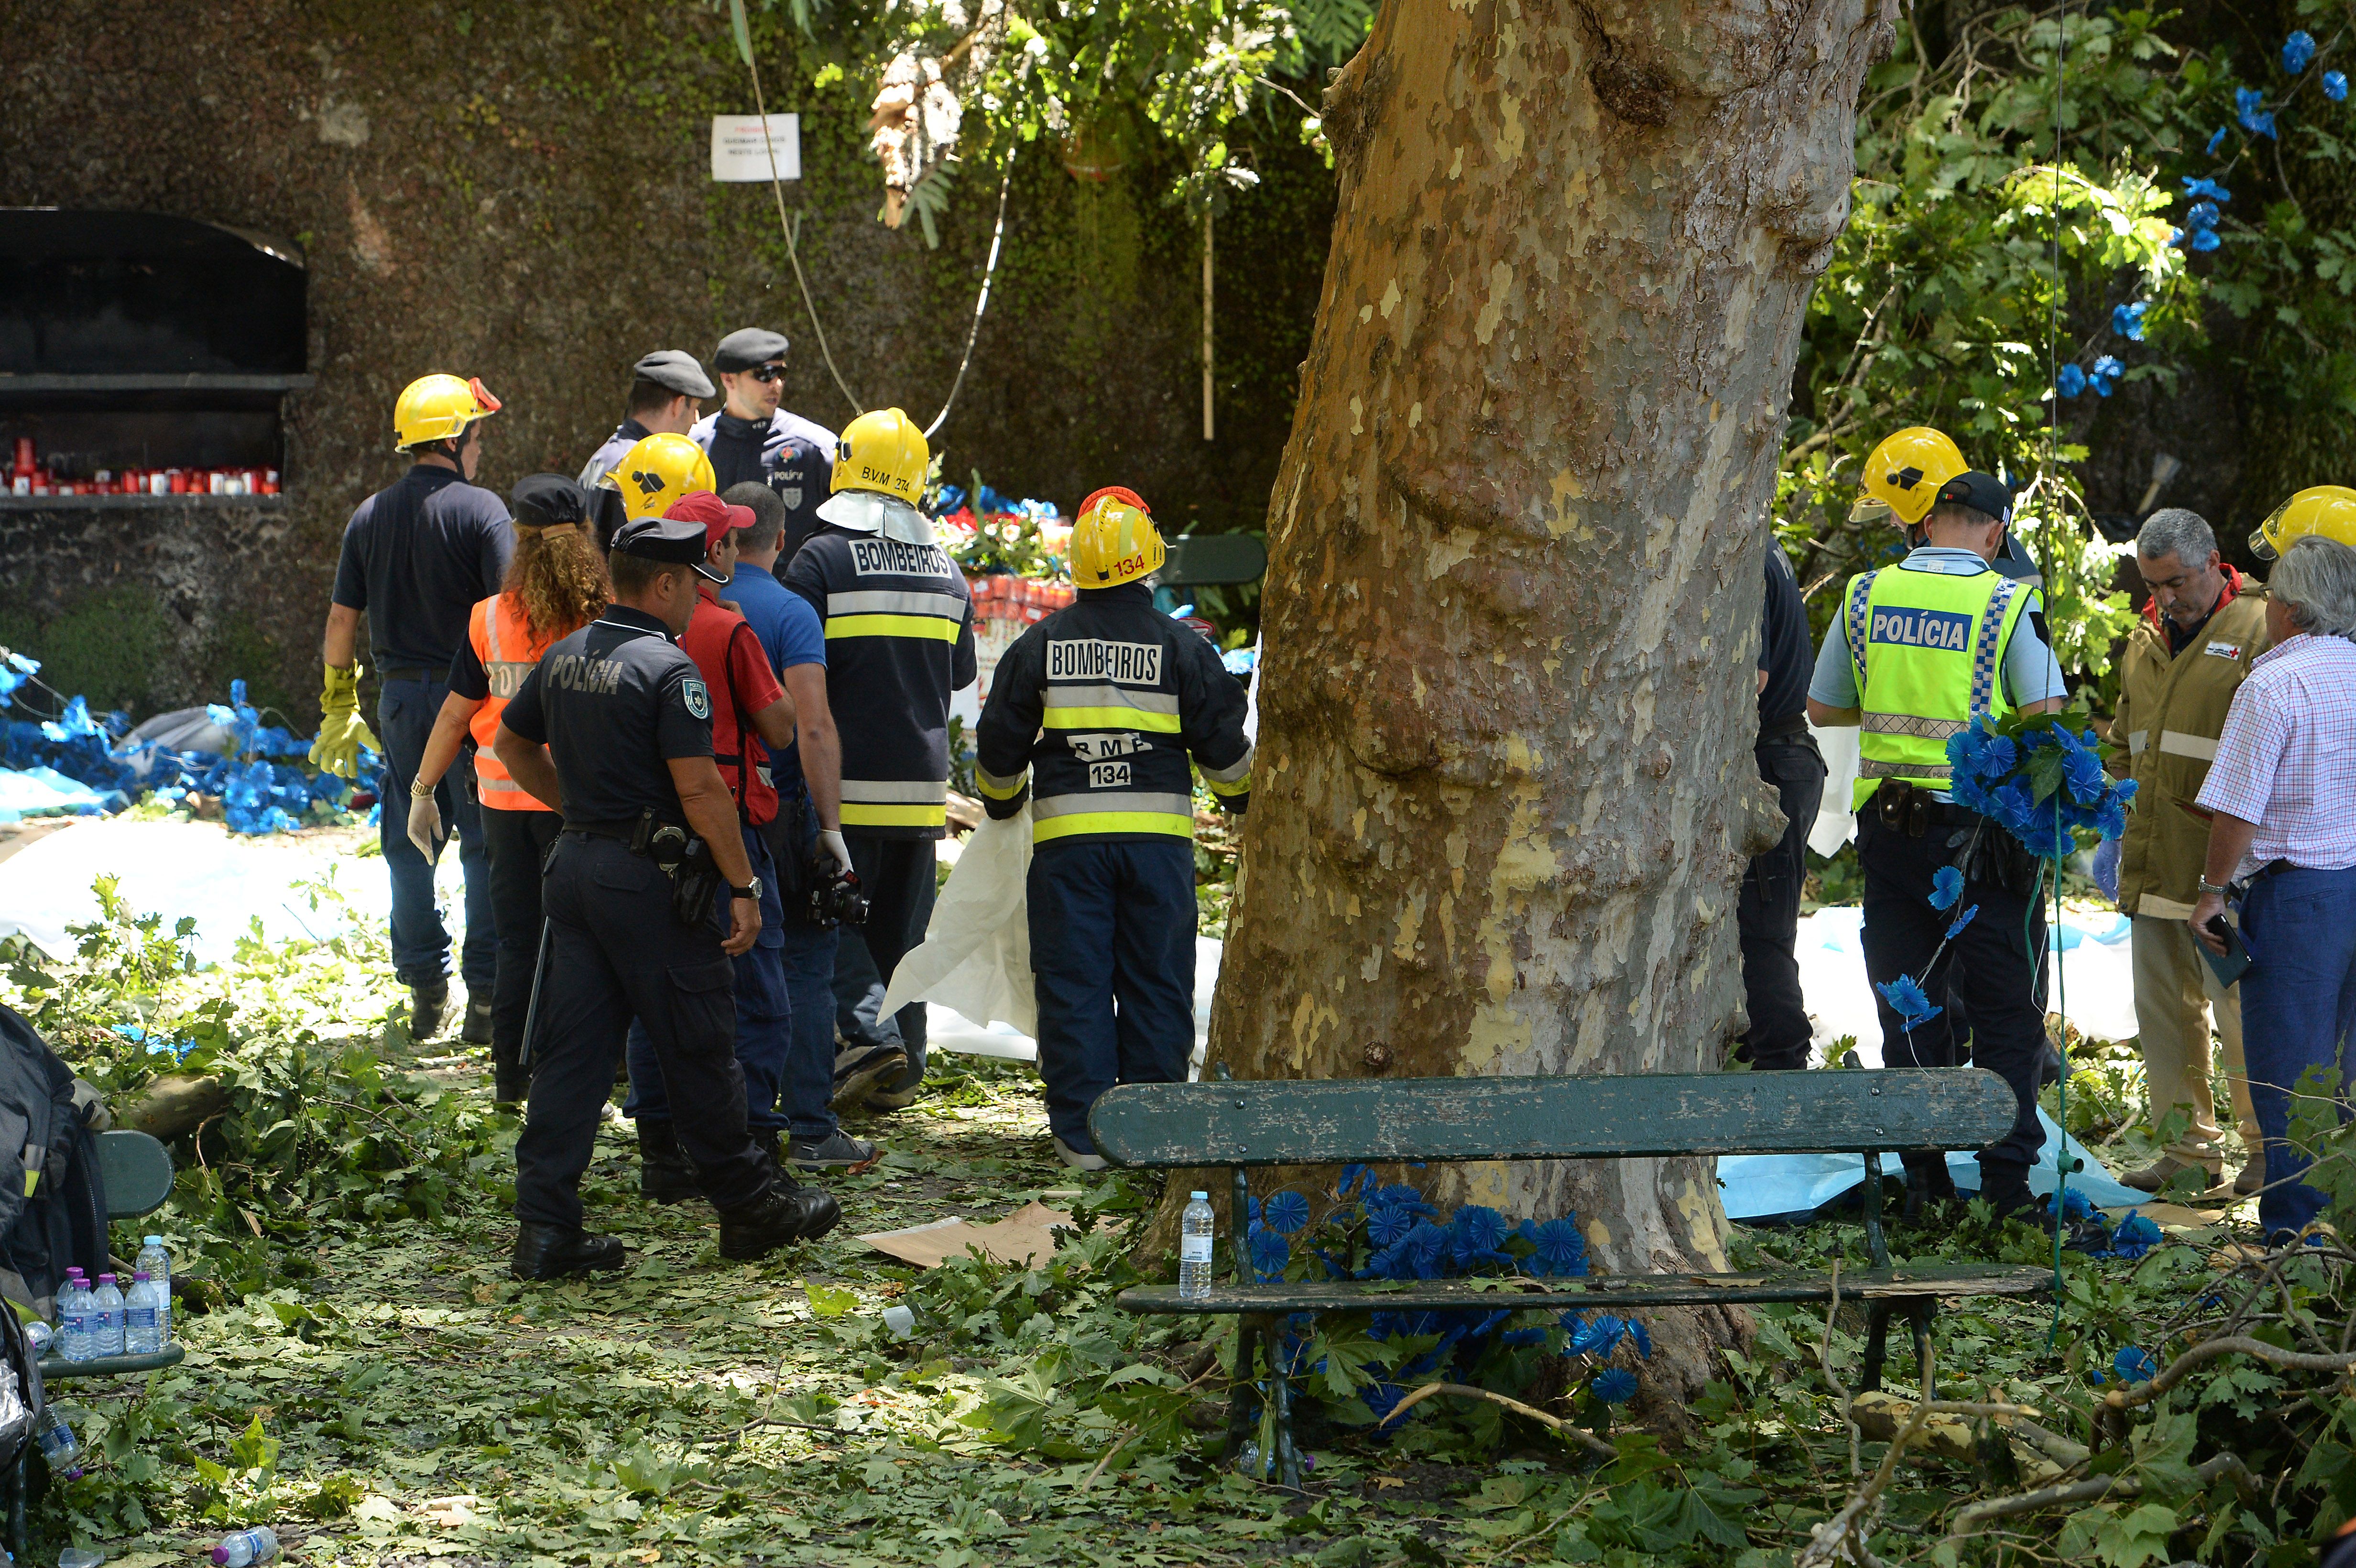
[1782,728]
[620,831]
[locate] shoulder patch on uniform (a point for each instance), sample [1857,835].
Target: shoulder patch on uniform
[699,697]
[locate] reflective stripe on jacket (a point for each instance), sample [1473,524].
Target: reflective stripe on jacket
[1105,702]
[1928,649]
[503,641]
[2171,709]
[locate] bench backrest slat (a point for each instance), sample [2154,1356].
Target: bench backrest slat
[1332,1122]
[137,1171]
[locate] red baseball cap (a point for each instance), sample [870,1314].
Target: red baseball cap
[717,515]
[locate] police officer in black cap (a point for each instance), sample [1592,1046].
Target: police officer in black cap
[752,438]
[614,729]
[665,388]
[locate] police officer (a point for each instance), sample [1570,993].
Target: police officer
[1919,649]
[1767,911]
[752,438]
[417,555]
[664,390]
[625,722]
[899,641]
[1107,699]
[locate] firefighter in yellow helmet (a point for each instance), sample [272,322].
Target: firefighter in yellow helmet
[417,556]
[1093,716]
[899,641]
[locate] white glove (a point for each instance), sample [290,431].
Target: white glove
[830,844]
[425,829]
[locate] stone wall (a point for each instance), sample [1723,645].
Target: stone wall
[522,193]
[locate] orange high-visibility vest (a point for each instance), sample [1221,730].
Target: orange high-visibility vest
[502,640]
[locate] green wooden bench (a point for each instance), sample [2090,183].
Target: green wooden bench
[138,1174]
[1173,1126]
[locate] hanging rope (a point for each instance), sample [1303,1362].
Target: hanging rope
[777,191]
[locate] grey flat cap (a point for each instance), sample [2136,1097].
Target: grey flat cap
[753,346]
[675,369]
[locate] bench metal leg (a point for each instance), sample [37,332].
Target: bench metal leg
[1877,1342]
[1242,1416]
[1288,1457]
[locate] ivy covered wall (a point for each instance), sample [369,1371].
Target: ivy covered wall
[521,192]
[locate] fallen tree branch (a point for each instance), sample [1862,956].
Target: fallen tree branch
[1464,1391]
[1841,1539]
[1969,1520]
[2210,1350]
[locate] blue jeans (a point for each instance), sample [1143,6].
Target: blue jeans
[809,956]
[2298,1006]
[764,1017]
[1112,960]
[405,711]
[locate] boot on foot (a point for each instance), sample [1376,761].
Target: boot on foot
[426,1003]
[787,1212]
[557,1252]
[664,1174]
[477,1030]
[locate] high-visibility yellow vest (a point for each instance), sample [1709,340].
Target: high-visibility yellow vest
[1928,650]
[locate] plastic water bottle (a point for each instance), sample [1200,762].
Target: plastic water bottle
[40,1337]
[246,1547]
[143,1318]
[73,1318]
[155,1261]
[59,1445]
[106,1318]
[1194,1234]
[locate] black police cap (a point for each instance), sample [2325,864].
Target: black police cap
[1980,492]
[675,541]
[547,500]
[675,369]
[745,349]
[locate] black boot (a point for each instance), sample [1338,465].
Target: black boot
[552,1252]
[1930,1191]
[787,1212]
[2005,1186]
[477,1030]
[664,1174]
[510,1080]
[426,1003]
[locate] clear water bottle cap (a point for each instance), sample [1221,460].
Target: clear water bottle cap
[1202,1198]
[151,1240]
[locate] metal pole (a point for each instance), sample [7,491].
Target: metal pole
[531,1009]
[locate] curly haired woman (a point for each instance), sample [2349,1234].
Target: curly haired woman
[556,585]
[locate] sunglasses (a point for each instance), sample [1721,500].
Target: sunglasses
[765,374]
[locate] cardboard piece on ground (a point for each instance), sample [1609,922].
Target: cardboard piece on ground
[1023,1236]
[2169,1216]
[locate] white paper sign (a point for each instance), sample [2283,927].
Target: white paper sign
[739,153]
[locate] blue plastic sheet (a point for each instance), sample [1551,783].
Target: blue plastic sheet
[1764,1188]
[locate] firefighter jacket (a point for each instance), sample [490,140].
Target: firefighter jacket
[2171,709]
[899,641]
[1104,701]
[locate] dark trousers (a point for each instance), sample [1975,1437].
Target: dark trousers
[420,946]
[2298,1009]
[1112,960]
[1991,964]
[1767,912]
[764,1027]
[517,841]
[617,951]
[898,876]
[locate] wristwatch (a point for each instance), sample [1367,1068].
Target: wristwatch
[750,890]
[419,789]
[2209,887]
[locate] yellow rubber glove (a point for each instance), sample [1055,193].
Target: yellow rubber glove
[342,731]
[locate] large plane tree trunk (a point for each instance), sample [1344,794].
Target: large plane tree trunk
[1504,790]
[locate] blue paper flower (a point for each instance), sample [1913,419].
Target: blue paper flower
[2298,51]
[2217,141]
[1962,921]
[1286,1212]
[2070,381]
[2335,86]
[2200,240]
[1562,1250]
[2135,1236]
[1478,1226]
[2076,1205]
[1354,1179]
[2105,375]
[2256,120]
[1270,1253]
[2127,320]
[2134,1364]
[1389,1226]
[1614,1385]
[2199,188]
[1596,1336]
[1643,1336]
[1946,887]
[1906,999]
[2203,215]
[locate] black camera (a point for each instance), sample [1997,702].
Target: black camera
[835,900]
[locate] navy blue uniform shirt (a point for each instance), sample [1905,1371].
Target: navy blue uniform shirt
[418,554]
[615,702]
[794,456]
[1783,651]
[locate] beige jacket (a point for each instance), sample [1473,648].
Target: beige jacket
[2171,710]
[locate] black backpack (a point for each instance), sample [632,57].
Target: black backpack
[56,1220]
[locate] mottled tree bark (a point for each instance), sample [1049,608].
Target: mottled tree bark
[1504,790]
